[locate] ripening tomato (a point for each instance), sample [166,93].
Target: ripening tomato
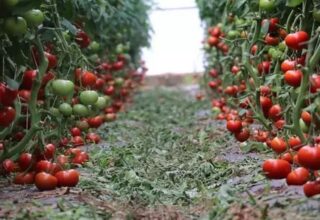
[45,181]
[311,188]
[276,168]
[68,178]
[62,160]
[28,78]
[7,116]
[265,91]
[309,157]
[297,41]
[25,161]
[234,126]
[82,39]
[315,83]
[118,65]
[213,84]
[213,73]
[109,90]
[24,178]
[298,176]
[275,112]
[293,77]
[243,135]
[279,145]
[306,117]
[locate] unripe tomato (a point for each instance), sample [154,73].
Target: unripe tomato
[89,97]
[34,17]
[80,110]
[62,87]
[15,26]
[267,5]
[65,109]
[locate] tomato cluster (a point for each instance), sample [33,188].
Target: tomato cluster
[65,73]
[266,84]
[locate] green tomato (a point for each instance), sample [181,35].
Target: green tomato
[233,34]
[120,48]
[101,103]
[282,46]
[55,111]
[11,3]
[62,87]
[80,110]
[94,46]
[118,81]
[89,97]
[15,26]
[316,14]
[303,126]
[240,21]
[65,109]
[108,99]
[66,36]
[267,5]
[34,17]
[215,111]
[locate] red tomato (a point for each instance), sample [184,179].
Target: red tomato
[45,181]
[47,78]
[213,73]
[52,59]
[80,158]
[275,112]
[294,142]
[25,161]
[88,79]
[297,41]
[278,145]
[213,41]
[93,138]
[7,95]
[215,31]
[77,141]
[266,104]
[287,157]
[271,40]
[213,84]
[273,22]
[311,188]
[234,126]
[28,78]
[315,83]
[293,77]
[287,65]
[24,95]
[75,131]
[265,91]
[24,178]
[261,136]
[279,124]
[309,157]
[8,166]
[99,84]
[298,176]
[83,39]
[243,135]
[264,67]
[44,166]
[235,69]
[254,49]
[118,65]
[68,178]
[7,116]
[64,142]
[62,160]
[276,168]
[49,151]
[306,117]
[109,90]
[95,122]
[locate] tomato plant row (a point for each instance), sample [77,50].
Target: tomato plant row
[66,68]
[263,67]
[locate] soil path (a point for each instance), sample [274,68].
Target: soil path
[164,159]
